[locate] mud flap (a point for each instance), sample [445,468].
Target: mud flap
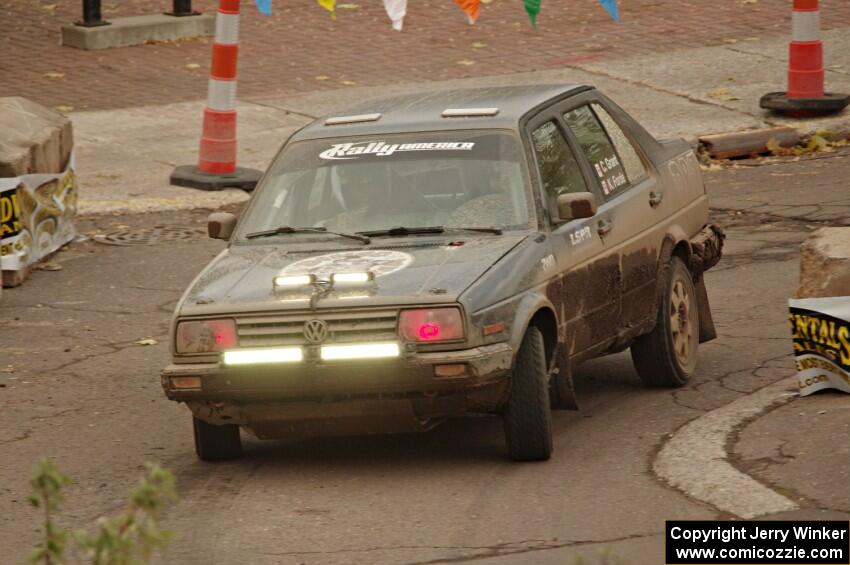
[707,249]
[707,331]
[562,390]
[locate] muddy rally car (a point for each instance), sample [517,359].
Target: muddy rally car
[427,256]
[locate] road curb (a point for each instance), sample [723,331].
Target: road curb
[694,459]
[748,143]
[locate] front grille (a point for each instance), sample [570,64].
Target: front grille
[288,329]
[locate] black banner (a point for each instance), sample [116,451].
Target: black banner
[757,543]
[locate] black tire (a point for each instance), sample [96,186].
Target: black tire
[216,443]
[667,356]
[527,416]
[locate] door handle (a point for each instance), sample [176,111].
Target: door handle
[655,198]
[604,227]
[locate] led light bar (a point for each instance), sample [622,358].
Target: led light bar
[360,351]
[469,112]
[294,280]
[355,277]
[339,120]
[261,356]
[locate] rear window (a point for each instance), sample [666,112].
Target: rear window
[598,149]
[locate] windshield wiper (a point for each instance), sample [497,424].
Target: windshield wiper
[497,231]
[289,229]
[401,230]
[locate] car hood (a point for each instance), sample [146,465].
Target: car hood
[436,270]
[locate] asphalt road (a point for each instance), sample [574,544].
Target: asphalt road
[76,387]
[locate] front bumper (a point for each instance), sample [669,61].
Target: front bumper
[410,374]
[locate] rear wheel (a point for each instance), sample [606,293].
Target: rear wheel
[215,443]
[527,416]
[667,356]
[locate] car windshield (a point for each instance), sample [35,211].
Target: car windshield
[463,179]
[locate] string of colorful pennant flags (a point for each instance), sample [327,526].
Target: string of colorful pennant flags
[397,9]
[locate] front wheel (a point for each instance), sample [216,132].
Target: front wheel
[667,356]
[527,416]
[214,443]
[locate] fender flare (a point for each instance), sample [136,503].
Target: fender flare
[527,307]
[560,374]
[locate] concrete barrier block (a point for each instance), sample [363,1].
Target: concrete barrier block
[35,139]
[137,30]
[825,264]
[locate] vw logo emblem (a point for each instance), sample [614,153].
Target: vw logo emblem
[316,331]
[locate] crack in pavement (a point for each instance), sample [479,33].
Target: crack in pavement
[778,59]
[286,110]
[175,290]
[725,335]
[769,161]
[661,90]
[770,216]
[762,364]
[68,308]
[489,551]
[116,347]
[22,437]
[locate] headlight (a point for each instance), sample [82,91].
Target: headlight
[429,325]
[205,336]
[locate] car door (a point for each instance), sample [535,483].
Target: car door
[633,208]
[589,273]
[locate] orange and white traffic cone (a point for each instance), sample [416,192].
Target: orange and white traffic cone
[805,96]
[216,168]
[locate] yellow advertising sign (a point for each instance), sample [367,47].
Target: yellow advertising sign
[10,213]
[36,216]
[820,329]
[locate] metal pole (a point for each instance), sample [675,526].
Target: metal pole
[182,8]
[91,15]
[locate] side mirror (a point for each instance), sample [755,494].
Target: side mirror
[220,225]
[576,205]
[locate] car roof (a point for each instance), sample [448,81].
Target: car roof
[423,111]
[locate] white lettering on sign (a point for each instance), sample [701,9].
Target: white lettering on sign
[581,235]
[685,170]
[547,263]
[611,163]
[606,165]
[610,181]
[381,149]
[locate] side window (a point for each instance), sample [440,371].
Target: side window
[559,170]
[635,170]
[598,149]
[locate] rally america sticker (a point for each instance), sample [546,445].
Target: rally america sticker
[820,328]
[381,149]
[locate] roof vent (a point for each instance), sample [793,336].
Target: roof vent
[469,112]
[339,120]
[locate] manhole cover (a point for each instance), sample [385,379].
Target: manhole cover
[150,236]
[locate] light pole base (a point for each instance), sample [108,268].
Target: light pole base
[192,177]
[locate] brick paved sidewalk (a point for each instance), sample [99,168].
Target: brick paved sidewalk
[300,49]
